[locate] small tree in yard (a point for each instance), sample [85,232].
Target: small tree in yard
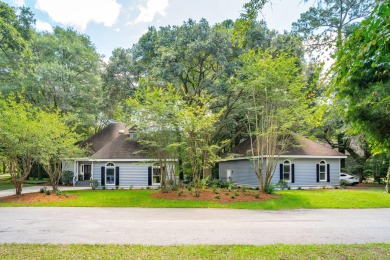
[168,122]
[20,138]
[154,113]
[60,143]
[277,105]
[197,123]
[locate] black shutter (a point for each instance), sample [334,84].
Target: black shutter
[150,175]
[102,180]
[117,176]
[281,171]
[318,172]
[292,173]
[328,173]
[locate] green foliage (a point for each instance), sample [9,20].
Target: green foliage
[42,190]
[217,183]
[326,24]
[282,184]
[362,78]
[47,192]
[180,193]
[67,177]
[269,189]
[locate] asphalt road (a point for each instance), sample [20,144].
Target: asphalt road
[192,226]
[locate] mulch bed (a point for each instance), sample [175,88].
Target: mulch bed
[37,197]
[209,195]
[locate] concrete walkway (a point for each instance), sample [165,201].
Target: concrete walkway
[192,226]
[31,189]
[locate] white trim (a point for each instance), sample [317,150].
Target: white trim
[105,174]
[290,172]
[285,156]
[326,171]
[128,160]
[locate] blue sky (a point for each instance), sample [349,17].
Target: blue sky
[120,23]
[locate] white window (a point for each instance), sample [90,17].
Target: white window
[156,175]
[110,173]
[322,171]
[287,170]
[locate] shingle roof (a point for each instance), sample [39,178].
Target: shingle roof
[302,146]
[120,148]
[109,144]
[104,136]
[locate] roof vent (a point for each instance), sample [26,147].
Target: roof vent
[121,131]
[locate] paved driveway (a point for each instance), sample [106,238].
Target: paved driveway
[9,192]
[192,226]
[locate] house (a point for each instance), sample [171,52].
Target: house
[115,160]
[304,164]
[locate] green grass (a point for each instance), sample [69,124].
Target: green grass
[5,183]
[277,251]
[291,199]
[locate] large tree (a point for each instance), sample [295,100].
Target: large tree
[274,90]
[15,35]
[330,21]
[362,78]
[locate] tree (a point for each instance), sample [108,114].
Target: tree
[276,102]
[362,78]
[66,76]
[170,123]
[60,143]
[15,35]
[20,138]
[326,25]
[154,114]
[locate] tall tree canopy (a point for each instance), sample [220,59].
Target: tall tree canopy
[363,76]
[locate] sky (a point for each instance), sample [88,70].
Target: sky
[120,23]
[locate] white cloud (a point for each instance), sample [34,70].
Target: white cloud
[19,3]
[78,13]
[152,8]
[43,26]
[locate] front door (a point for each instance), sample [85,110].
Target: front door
[87,172]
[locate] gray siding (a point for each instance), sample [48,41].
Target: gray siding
[130,174]
[305,172]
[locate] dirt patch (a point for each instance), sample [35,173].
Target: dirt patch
[30,198]
[223,196]
[367,186]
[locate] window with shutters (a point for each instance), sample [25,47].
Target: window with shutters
[287,170]
[156,175]
[110,173]
[322,171]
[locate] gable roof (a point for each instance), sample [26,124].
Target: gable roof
[104,136]
[302,147]
[110,144]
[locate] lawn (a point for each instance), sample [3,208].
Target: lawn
[290,199]
[278,251]
[5,183]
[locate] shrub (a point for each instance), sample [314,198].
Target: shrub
[189,188]
[235,194]
[42,190]
[94,183]
[116,187]
[269,189]
[336,187]
[257,195]
[180,193]
[67,178]
[283,185]
[344,183]
[233,197]
[289,188]
[58,193]
[47,192]
[131,187]
[103,187]
[217,183]
[215,189]
[217,196]
[299,188]
[243,188]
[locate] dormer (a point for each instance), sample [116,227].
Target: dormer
[133,132]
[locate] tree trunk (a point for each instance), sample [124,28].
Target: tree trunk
[18,187]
